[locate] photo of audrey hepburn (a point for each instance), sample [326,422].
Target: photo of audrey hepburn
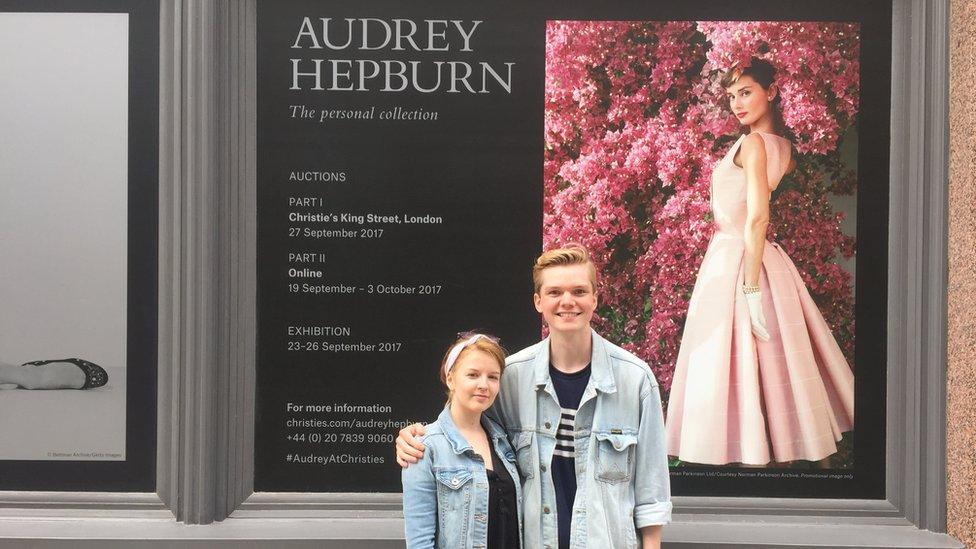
[711,169]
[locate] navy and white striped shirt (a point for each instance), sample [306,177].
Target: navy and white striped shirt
[569,391]
[565,442]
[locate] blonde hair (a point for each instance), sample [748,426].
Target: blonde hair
[570,254]
[488,345]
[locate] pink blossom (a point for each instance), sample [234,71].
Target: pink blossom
[634,121]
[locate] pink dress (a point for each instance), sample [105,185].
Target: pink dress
[734,398]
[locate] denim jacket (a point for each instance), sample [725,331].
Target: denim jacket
[445,495]
[621,461]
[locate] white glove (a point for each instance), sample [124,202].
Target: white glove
[754,301]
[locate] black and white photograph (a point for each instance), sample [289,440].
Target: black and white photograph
[63,236]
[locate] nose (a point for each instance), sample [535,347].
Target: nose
[566,299]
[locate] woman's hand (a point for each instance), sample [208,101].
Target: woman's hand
[408,448]
[754,301]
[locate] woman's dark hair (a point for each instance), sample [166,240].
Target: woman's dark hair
[764,73]
[760,70]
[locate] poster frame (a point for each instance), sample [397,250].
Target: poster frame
[206,327]
[918,152]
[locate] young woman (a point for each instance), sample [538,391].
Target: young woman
[465,491]
[759,376]
[65,373]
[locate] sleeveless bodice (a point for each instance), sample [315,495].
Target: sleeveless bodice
[728,195]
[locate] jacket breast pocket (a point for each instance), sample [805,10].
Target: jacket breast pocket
[524,452]
[615,456]
[453,487]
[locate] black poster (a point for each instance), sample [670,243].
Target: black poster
[392,214]
[413,160]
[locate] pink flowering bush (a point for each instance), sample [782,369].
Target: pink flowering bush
[634,121]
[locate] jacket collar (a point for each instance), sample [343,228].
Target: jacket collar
[460,444]
[601,377]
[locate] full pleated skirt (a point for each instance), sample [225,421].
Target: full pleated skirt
[735,399]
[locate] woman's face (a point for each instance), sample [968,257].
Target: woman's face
[474,381]
[749,101]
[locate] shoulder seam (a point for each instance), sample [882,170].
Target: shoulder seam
[643,367]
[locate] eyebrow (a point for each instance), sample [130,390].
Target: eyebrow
[479,372]
[576,287]
[746,87]
[473,369]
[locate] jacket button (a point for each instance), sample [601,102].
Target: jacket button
[543,467]
[545,510]
[548,425]
[455,481]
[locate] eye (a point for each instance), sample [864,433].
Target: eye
[746,93]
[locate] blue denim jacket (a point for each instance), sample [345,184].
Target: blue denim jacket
[621,459]
[445,495]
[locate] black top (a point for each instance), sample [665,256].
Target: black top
[503,526]
[569,391]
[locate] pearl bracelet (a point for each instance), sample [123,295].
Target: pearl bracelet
[746,289]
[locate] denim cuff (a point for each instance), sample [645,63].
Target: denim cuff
[651,514]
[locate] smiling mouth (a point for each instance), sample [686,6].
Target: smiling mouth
[568,314]
[741,114]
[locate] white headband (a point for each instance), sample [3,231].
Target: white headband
[456,351]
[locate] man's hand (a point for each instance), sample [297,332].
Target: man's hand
[408,448]
[651,537]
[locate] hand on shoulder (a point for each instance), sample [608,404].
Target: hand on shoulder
[409,448]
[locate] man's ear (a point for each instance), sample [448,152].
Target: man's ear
[537,301]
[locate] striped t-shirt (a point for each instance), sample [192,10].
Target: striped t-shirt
[569,390]
[565,443]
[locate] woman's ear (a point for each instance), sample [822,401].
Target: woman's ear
[772,92]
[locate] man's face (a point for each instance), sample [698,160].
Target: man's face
[566,298]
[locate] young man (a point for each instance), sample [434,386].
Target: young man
[584,417]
